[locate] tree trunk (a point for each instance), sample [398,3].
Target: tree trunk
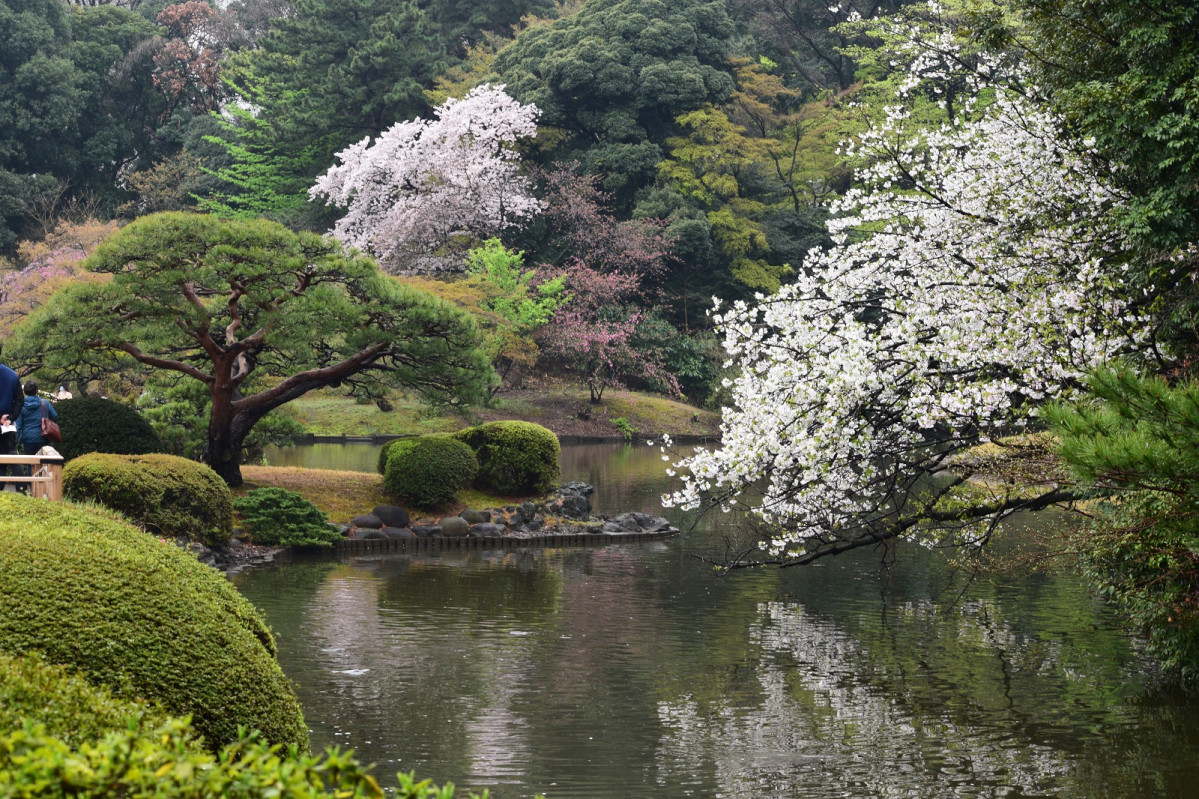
[222,451]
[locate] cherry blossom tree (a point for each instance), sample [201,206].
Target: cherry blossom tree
[426,186]
[970,279]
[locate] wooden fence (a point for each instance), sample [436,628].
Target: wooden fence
[357,546]
[45,480]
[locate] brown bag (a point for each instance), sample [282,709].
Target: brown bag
[50,429]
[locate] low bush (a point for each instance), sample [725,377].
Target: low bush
[160,764]
[142,617]
[429,470]
[168,495]
[515,458]
[278,517]
[385,451]
[91,424]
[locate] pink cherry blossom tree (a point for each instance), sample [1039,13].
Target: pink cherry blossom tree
[429,189]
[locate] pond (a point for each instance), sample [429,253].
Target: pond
[633,670]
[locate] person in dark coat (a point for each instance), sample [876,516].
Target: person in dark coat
[10,414]
[30,425]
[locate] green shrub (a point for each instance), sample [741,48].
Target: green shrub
[514,457]
[90,424]
[429,470]
[168,495]
[140,616]
[63,736]
[70,707]
[385,451]
[278,517]
[165,764]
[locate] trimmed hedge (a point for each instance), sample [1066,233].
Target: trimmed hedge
[91,424]
[142,617]
[278,517]
[70,708]
[429,470]
[385,452]
[515,458]
[167,494]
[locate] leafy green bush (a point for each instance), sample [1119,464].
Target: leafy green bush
[140,616]
[62,736]
[429,470]
[70,707]
[385,452]
[165,764]
[278,517]
[514,457]
[168,495]
[90,424]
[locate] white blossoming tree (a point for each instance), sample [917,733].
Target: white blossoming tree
[428,184]
[969,280]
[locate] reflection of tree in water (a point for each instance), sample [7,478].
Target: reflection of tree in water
[438,647]
[982,710]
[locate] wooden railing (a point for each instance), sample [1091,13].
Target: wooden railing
[45,481]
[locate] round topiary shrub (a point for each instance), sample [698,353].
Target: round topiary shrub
[429,470]
[142,617]
[278,517]
[385,451]
[70,708]
[169,495]
[515,458]
[90,424]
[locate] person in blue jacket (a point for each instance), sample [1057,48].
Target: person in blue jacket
[10,412]
[29,425]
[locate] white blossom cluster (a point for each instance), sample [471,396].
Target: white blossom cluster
[425,182]
[966,283]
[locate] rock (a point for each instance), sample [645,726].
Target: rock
[235,543]
[526,510]
[476,516]
[487,530]
[426,530]
[636,523]
[367,520]
[398,532]
[454,526]
[391,515]
[576,487]
[369,534]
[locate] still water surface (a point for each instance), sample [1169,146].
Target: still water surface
[631,670]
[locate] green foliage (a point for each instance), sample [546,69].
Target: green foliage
[67,705]
[91,424]
[515,458]
[170,496]
[510,295]
[626,429]
[1135,443]
[385,453]
[164,763]
[142,617]
[1125,76]
[614,76]
[278,517]
[429,470]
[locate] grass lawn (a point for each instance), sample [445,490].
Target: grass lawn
[344,495]
[565,409]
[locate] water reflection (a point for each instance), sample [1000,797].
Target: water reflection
[631,670]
